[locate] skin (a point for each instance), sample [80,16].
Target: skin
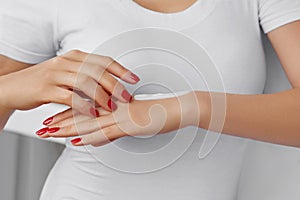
[267,117]
[65,79]
[166,6]
[271,118]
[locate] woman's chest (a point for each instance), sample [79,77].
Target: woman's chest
[233,45]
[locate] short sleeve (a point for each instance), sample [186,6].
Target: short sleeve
[27,29]
[276,13]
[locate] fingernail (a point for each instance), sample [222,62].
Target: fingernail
[134,77]
[48,121]
[94,112]
[41,131]
[53,130]
[126,95]
[76,140]
[111,105]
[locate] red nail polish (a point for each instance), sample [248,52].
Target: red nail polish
[126,95]
[134,77]
[48,121]
[76,140]
[53,130]
[111,105]
[42,131]
[94,112]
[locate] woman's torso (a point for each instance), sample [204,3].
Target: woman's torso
[228,31]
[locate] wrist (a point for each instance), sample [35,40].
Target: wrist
[204,108]
[4,101]
[182,111]
[190,109]
[196,109]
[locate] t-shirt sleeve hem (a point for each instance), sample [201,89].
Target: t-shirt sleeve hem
[22,55]
[272,25]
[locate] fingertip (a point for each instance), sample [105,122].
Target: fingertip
[126,96]
[112,106]
[131,78]
[42,131]
[134,77]
[76,142]
[94,112]
[48,121]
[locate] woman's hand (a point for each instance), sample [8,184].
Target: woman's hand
[58,79]
[137,118]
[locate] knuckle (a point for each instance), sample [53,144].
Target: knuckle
[109,59]
[57,60]
[75,52]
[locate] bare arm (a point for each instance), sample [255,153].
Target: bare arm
[58,80]
[7,66]
[271,118]
[268,117]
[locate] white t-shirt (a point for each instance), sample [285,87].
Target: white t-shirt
[229,31]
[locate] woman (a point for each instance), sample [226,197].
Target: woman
[226,29]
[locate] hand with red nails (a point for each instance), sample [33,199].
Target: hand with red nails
[139,117]
[58,80]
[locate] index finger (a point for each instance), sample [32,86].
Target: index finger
[106,62]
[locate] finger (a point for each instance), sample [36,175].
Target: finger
[100,137]
[43,132]
[70,116]
[60,116]
[121,72]
[85,84]
[73,100]
[114,87]
[82,127]
[109,83]
[105,62]
[71,120]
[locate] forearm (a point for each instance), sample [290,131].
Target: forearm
[4,111]
[4,114]
[271,118]
[7,66]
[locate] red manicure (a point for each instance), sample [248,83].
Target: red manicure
[126,95]
[94,112]
[42,131]
[48,121]
[134,77]
[111,105]
[53,130]
[76,140]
